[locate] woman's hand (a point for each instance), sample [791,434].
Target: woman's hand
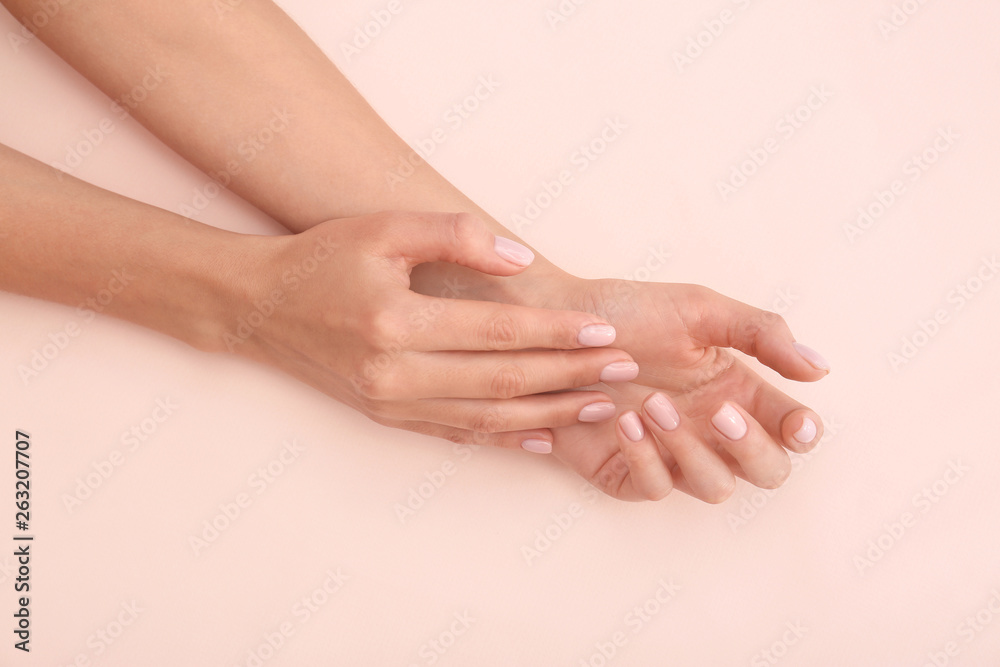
[705,415]
[333,307]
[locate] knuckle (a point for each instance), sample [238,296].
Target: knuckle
[483,439]
[499,332]
[507,382]
[763,321]
[751,330]
[379,390]
[464,228]
[458,437]
[566,331]
[377,230]
[490,420]
[368,405]
[698,296]
[582,367]
[381,329]
[771,320]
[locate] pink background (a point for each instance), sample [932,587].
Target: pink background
[775,572]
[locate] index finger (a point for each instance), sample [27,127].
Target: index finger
[438,324]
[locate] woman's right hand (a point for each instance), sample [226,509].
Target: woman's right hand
[332,306]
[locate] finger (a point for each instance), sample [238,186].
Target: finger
[708,477]
[726,322]
[786,420]
[765,463]
[456,324]
[496,375]
[515,414]
[535,441]
[648,478]
[460,238]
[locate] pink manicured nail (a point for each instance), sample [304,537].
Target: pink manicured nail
[814,358]
[597,335]
[662,411]
[730,422]
[620,371]
[632,426]
[597,412]
[537,446]
[806,432]
[513,251]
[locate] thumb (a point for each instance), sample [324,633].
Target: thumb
[460,238]
[726,322]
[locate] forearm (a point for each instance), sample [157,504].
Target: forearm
[246,96]
[76,244]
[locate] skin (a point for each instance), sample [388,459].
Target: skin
[322,305]
[222,76]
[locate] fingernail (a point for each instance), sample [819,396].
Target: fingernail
[662,411]
[513,251]
[620,371]
[632,426]
[814,358]
[596,335]
[806,432]
[537,446]
[597,412]
[730,422]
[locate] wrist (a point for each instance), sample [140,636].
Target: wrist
[240,292]
[541,285]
